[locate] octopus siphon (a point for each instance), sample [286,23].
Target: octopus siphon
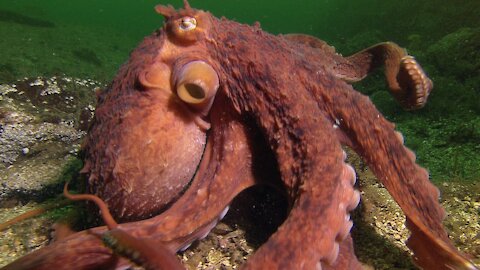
[205,108]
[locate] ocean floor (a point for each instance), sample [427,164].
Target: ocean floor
[40,150]
[379,231]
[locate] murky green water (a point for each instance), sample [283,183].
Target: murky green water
[338,22]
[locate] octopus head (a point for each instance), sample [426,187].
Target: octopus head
[150,127]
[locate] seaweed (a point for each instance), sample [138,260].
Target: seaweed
[457,53]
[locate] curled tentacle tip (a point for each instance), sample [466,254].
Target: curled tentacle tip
[107,217]
[416,84]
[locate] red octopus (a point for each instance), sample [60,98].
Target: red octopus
[208,107]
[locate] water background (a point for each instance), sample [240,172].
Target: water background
[335,21]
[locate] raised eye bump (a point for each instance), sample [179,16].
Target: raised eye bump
[185,29]
[188,23]
[197,83]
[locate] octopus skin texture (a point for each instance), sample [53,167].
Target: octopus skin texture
[207,107]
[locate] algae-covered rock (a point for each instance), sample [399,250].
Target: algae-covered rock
[360,41]
[42,122]
[458,53]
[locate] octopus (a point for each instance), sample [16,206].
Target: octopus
[206,108]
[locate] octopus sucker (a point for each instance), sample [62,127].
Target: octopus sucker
[345,231]
[411,154]
[400,137]
[355,200]
[226,106]
[350,173]
[223,213]
[334,254]
[420,83]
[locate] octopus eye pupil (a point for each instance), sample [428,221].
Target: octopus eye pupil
[195,91]
[188,23]
[196,83]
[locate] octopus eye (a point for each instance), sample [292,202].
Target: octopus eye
[188,23]
[185,29]
[196,83]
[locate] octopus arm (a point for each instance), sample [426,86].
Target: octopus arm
[82,250]
[151,255]
[315,175]
[346,257]
[363,128]
[406,79]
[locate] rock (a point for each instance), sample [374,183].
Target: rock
[457,53]
[40,134]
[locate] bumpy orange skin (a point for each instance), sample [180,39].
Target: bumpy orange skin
[282,111]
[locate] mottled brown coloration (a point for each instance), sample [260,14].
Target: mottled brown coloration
[281,113]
